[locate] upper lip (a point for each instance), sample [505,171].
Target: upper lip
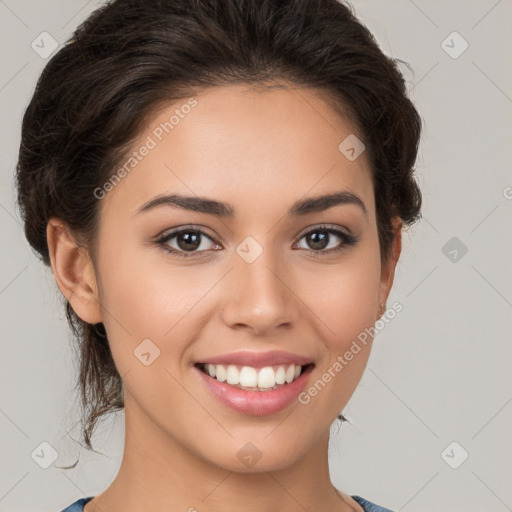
[257,359]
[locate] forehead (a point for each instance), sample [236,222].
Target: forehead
[273,145]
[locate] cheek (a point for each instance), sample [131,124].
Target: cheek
[345,297]
[146,297]
[345,300]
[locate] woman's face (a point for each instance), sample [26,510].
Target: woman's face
[266,285]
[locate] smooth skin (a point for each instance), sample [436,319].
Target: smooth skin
[258,151]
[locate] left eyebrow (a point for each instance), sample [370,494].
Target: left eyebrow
[321,203]
[212,207]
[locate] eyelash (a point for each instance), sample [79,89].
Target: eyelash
[347,240]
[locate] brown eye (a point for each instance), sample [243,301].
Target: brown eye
[323,240]
[185,241]
[318,240]
[188,240]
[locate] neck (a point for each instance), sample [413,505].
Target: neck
[157,473]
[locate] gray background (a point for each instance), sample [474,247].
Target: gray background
[439,372]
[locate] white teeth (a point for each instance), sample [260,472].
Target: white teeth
[248,377]
[264,379]
[280,375]
[232,375]
[220,373]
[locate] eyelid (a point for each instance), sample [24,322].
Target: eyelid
[190,227]
[321,226]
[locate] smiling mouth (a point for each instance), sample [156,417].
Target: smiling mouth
[250,378]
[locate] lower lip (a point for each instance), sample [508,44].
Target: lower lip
[256,403]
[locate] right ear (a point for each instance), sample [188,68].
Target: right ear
[73,271]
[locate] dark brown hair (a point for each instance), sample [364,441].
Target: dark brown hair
[129,56]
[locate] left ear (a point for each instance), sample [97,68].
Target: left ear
[388,269]
[73,271]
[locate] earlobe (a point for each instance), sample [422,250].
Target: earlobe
[73,271]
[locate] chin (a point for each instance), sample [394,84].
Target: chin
[260,453]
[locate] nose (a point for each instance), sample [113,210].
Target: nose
[259,296]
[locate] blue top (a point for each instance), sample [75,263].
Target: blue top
[368,506]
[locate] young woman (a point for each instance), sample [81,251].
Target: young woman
[220,188]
